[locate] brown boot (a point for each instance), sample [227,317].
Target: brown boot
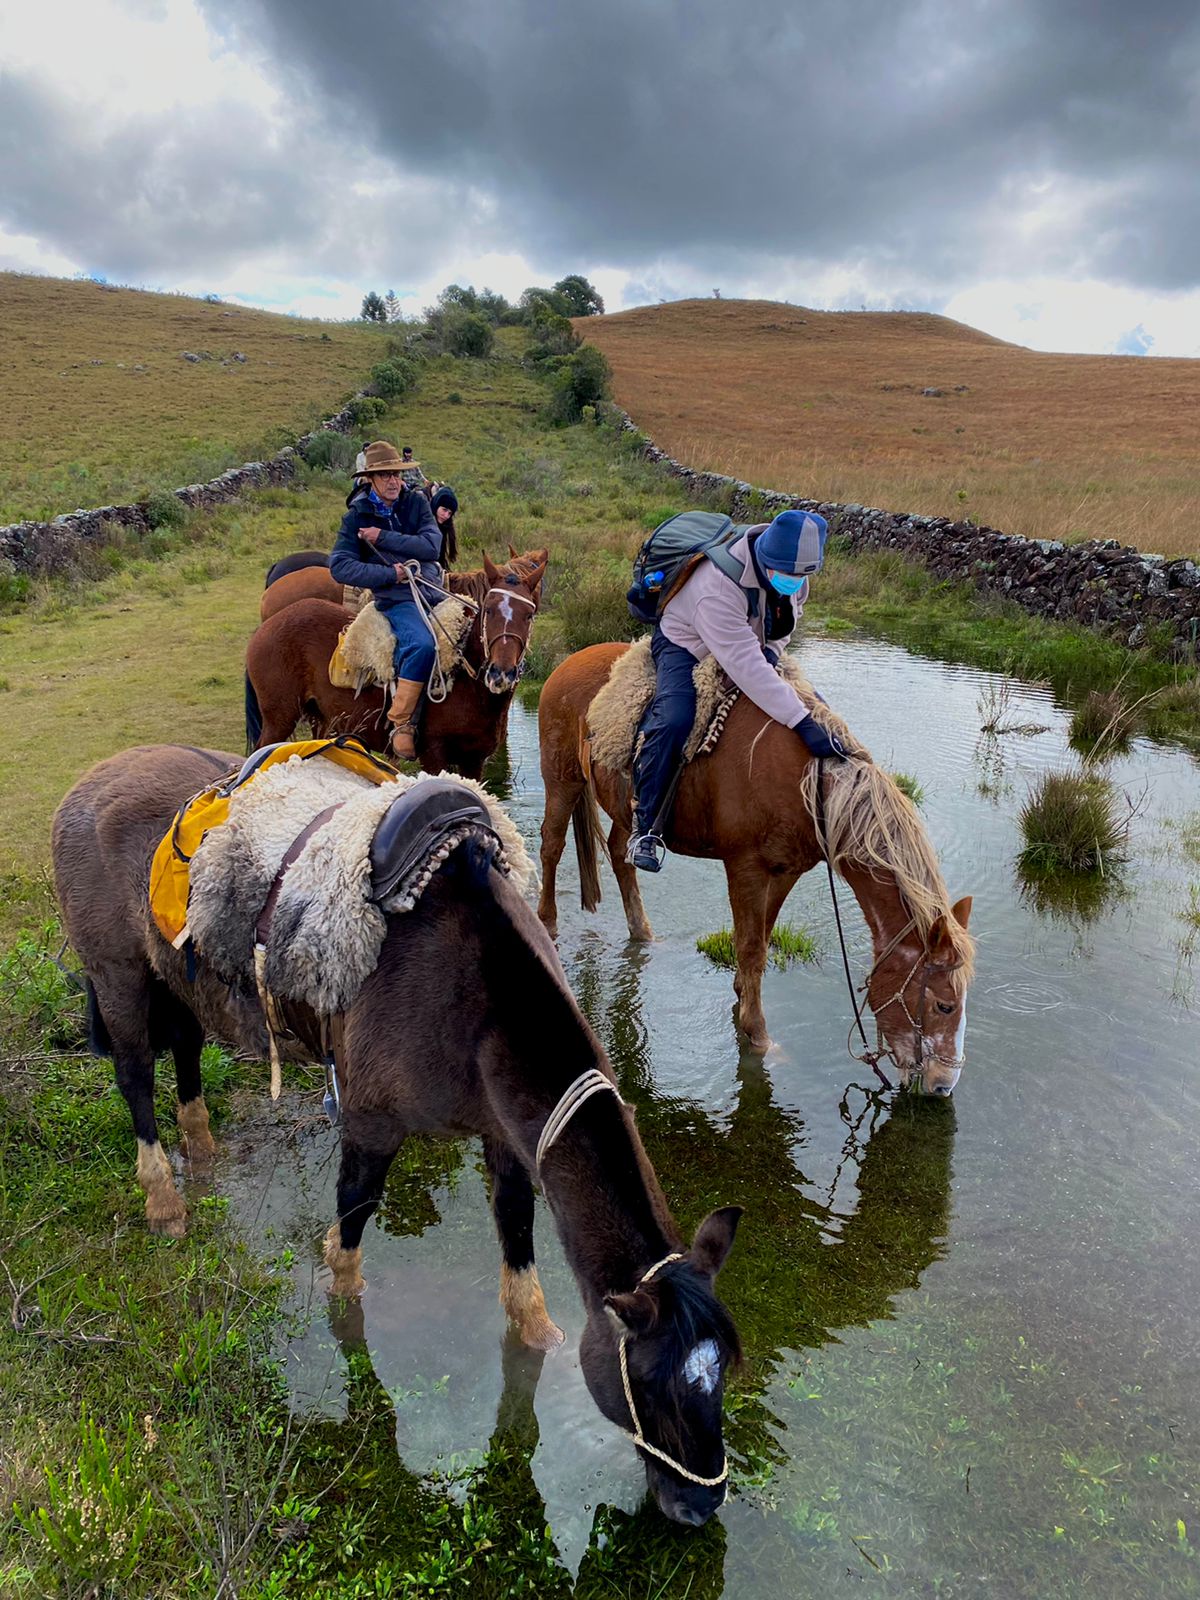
[402,716]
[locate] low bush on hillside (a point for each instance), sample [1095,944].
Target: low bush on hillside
[166,510]
[331,452]
[466,333]
[365,409]
[394,377]
[1072,822]
[582,380]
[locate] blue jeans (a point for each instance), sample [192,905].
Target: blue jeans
[415,650]
[664,732]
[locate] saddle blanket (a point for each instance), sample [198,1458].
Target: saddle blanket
[326,930]
[363,656]
[616,711]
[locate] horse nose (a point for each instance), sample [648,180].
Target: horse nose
[689,1515]
[943,1088]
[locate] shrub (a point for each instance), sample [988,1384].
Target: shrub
[786,945]
[582,380]
[582,297]
[393,377]
[331,452]
[165,510]
[590,606]
[1071,823]
[366,408]
[454,398]
[467,333]
[553,336]
[14,588]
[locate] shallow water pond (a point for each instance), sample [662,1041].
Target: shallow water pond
[971,1327]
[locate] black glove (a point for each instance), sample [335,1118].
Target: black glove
[819,740]
[771,657]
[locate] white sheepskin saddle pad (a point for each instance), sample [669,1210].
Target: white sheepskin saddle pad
[619,707]
[367,643]
[326,934]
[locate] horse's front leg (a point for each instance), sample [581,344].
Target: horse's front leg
[512,1206]
[749,884]
[560,802]
[363,1173]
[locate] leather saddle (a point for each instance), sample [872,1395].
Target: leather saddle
[415,825]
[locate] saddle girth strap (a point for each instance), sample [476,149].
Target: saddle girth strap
[262,933]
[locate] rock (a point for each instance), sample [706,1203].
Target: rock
[190,355]
[238,356]
[937,393]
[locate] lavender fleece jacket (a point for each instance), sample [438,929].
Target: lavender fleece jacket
[708,617]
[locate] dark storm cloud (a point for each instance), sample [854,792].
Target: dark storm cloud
[898,134]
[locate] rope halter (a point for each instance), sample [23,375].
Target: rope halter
[576,1094]
[486,641]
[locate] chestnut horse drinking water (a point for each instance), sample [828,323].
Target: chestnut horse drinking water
[752,805]
[465,1027]
[287,671]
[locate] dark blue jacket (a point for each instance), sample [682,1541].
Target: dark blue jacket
[410,533]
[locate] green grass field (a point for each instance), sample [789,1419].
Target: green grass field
[100,407]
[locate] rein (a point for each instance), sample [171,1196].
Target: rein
[416,583]
[591,1082]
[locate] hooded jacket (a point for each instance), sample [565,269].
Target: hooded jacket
[713,615]
[409,533]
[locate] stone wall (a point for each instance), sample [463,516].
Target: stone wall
[1100,583]
[48,547]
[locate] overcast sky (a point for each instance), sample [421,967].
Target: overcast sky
[1029,166]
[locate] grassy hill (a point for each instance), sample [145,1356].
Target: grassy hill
[831,405]
[100,406]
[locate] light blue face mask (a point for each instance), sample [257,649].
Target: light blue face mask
[785,583]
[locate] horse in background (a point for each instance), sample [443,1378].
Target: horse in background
[287,672]
[760,805]
[296,562]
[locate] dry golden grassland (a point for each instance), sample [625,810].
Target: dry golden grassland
[829,405]
[99,405]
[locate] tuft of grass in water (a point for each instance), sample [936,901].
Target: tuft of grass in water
[908,785]
[787,944]
[1072,823]
[995,707]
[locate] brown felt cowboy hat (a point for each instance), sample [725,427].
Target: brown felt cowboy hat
[382,457]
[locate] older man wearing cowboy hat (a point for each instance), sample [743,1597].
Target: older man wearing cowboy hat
[385,526]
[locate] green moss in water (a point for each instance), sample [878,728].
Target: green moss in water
[787,944]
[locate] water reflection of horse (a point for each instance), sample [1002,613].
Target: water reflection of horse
[466,1026]
[287,669]
[753,805]
[811,1268]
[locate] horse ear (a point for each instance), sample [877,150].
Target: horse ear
[714,1239]
[631,1313]
[961,911]
[940,943]
[491,572]
[533,579]
[513,553]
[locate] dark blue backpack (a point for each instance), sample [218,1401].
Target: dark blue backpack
[671,553]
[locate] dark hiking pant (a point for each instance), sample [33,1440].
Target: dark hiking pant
[663,733]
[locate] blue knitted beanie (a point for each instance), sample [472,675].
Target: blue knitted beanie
[794,542]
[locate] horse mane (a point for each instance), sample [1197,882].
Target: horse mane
[474,584]
[870,822]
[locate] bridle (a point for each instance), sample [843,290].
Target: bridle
[489,641]
[871,1058]
[591,1082]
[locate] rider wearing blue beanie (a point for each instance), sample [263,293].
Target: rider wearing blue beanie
[744,613]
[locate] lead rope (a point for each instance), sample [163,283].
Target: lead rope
[576,1094]
[417,582]
[869,1057]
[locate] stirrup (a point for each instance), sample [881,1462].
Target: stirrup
[647,851]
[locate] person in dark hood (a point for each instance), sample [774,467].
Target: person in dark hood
[444,502]
[385,526]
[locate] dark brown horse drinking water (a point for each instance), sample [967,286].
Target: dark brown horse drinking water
[753,805]
[465,1027]
[287,672]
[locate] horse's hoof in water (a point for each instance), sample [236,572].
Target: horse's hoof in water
[346,1266]
[198,1148]
[544,1336]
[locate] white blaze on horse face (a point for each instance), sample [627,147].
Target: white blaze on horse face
[505,609]
[960,1037]
[703,1366]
